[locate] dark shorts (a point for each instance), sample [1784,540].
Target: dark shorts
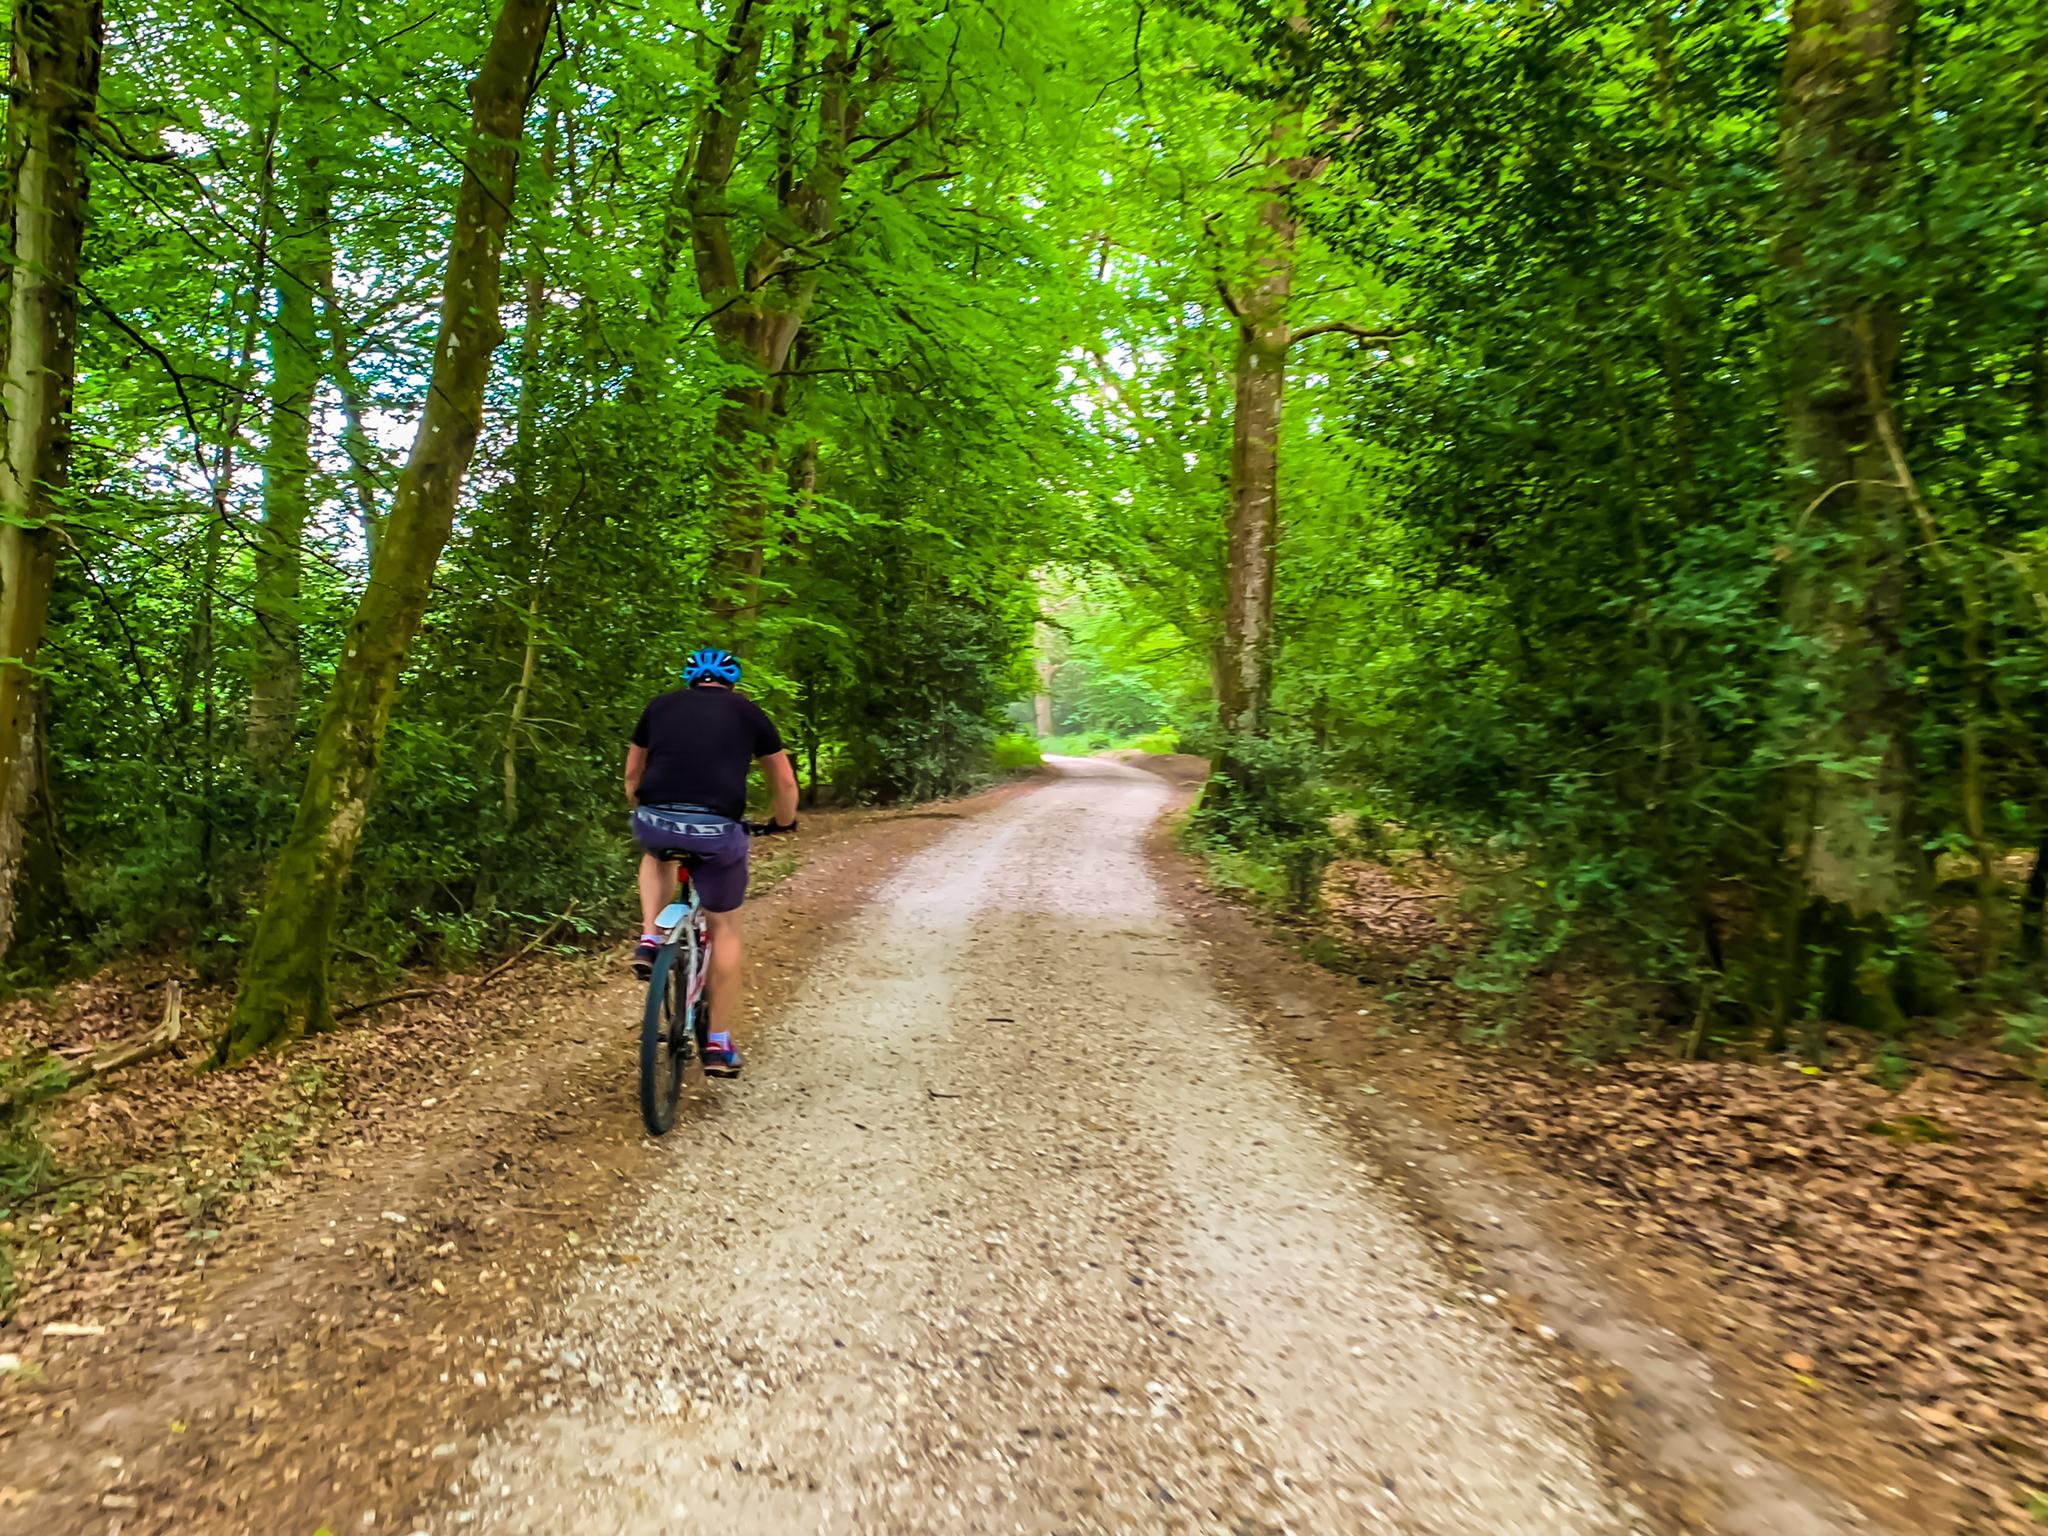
[712,848]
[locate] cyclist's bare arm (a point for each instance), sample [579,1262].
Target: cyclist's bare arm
[636,765]
[781,777]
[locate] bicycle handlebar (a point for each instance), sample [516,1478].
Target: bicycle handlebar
[768,829]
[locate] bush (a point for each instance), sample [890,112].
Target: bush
[1015,753]
[1088,743]
[1077,744]
[1268,802]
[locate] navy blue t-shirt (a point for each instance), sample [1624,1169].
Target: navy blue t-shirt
[700,744]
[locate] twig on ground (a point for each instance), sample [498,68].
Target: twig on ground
[353,1009]
[534,943]
[1983,1073]
[474,987]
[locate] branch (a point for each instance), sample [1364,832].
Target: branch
[531,945]
[157,1042]
[1888,434]
[718,141]
[1229,301]
[115,142]
[1346,328]
[456,994]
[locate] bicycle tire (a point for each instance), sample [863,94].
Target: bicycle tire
[661,1064]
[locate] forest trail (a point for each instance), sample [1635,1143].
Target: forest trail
[1011,1229]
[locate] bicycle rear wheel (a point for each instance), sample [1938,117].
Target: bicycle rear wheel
[664,1049]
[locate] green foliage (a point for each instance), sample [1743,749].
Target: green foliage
[1014,752]
[1553,585]
[1267,801]
[914,484]
[1547,570]
[1163,742]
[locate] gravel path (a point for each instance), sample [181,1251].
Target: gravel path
[1010,1230]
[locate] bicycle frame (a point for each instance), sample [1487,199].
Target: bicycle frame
[683,922]
[674,1019]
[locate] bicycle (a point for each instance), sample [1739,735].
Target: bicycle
[675,1023]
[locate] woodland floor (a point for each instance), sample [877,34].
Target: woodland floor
[350,1287]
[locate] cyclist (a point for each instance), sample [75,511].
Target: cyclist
[686,779]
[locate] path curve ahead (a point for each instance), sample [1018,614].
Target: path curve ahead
[1011,1228]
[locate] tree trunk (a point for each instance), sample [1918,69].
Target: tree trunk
[758,307]
[522,701]
[744,457]
[53,95]
[1841,114]
[2033,903]
[296,358]
[1259,377]
[355,438]
[531,554]
[284,981]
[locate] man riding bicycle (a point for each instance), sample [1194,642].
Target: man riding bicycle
[686,779]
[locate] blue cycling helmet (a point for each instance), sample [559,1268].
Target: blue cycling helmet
[709,666]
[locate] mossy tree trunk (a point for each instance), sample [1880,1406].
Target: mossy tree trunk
[1244,674]
[297,361]
[284,979]
[53,95]
[1842,105]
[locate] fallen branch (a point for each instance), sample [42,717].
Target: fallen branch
[352,1009]
[413,994]
[535,943]
[1983,1073]
[157,1042]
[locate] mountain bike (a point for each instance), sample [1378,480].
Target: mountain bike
[676,1022]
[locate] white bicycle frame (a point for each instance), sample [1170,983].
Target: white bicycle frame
[684,921]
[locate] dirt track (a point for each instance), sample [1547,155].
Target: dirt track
[1011,1230]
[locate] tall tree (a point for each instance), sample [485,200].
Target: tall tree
[758,302]
[1259,306]
[297,363]
[53,95]
[284,980]
[1842,103]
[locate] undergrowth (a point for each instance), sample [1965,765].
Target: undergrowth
[1158,743]
[1015,752]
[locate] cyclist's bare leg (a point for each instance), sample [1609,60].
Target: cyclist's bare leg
[727,947]
[657,889]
